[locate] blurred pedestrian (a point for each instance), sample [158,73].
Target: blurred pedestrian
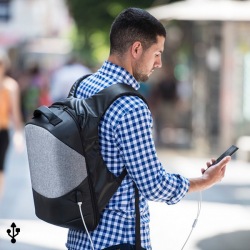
[63,77]
[10,113]
[125,135]
[34,90]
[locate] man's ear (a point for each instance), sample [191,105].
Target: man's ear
[136,49]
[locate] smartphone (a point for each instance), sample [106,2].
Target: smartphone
[229,152]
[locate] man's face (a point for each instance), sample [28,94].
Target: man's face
[149,60]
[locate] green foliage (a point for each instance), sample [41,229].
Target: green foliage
[93,19]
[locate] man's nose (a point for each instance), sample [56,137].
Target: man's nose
[158,63]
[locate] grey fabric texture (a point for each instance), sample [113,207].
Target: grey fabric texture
[55,168]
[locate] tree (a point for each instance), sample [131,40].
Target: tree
[93,19]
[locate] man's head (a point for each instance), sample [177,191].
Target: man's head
[132,25]
[137,42]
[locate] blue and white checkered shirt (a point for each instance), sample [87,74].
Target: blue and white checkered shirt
[126,140]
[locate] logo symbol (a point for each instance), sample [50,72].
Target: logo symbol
[14,232]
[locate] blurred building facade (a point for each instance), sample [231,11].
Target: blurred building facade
[32,28]
[213,49]
[33,18]
[35,33]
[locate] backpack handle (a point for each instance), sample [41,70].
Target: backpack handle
[52,118]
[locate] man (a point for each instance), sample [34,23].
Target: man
[137,42]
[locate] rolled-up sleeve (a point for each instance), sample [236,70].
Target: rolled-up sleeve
[134,138]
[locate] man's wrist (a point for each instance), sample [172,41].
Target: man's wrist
[199,184]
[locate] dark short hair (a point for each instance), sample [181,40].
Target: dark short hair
[133,25]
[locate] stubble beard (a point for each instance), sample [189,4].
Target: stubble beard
[139,74]
[140,77]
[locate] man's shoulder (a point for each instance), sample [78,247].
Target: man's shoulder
[126,106]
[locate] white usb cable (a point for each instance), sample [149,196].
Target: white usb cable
[80,205]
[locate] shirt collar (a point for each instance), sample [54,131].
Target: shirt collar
[119,74]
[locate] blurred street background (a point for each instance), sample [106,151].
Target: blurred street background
[199,101]
[224,222]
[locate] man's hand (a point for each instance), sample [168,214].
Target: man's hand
[212,175]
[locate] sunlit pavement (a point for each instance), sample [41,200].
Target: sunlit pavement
[224,222]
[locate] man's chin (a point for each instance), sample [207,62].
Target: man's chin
[141,78]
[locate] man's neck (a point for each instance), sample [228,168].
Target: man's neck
[121,61]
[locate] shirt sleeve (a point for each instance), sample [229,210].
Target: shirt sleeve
[134,138]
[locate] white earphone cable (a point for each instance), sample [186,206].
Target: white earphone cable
[196,219]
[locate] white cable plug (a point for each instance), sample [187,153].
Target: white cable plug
[80,205]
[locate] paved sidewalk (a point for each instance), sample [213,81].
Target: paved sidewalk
[17,206]
[224,222]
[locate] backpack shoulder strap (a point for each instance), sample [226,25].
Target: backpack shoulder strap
[100,103]
[109,94]
[103,99]
[72,92]
[120,89]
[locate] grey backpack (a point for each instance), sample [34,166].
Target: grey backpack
[66,165]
